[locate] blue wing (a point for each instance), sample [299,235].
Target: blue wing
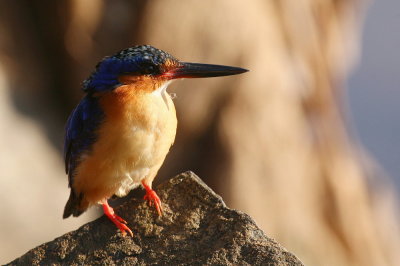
[81,132]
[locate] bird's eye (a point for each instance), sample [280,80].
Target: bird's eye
[148,68]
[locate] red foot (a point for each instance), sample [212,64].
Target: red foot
[118,221]
[152,197]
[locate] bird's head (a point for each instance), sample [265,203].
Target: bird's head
[144,64]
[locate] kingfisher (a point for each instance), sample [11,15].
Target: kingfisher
[119,134]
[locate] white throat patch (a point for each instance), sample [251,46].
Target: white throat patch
[162,91]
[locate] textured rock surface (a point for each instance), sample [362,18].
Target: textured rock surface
[197,228]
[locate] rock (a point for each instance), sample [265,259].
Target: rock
[196,229]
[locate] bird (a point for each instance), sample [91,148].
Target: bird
[118,136]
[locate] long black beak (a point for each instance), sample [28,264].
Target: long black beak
[195,70]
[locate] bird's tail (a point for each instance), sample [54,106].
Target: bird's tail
[75,206]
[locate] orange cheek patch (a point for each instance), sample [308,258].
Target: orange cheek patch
[139,83]
[129,79]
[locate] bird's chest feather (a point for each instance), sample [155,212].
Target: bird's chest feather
[138,129]
[139,126]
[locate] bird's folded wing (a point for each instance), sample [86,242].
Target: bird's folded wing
[81,132]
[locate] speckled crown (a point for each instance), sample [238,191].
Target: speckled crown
[147,53]
[137,60]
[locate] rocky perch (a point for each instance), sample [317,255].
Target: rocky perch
[196,229]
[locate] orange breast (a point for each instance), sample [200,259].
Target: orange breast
[138,130]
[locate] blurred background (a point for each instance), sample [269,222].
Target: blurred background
[306,143]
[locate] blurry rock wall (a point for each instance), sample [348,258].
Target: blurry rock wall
[272,142]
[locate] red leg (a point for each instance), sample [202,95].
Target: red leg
[118,221]
[152,197]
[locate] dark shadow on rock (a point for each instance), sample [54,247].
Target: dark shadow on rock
[196,229]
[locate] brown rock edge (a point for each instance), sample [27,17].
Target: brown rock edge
[196,229]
